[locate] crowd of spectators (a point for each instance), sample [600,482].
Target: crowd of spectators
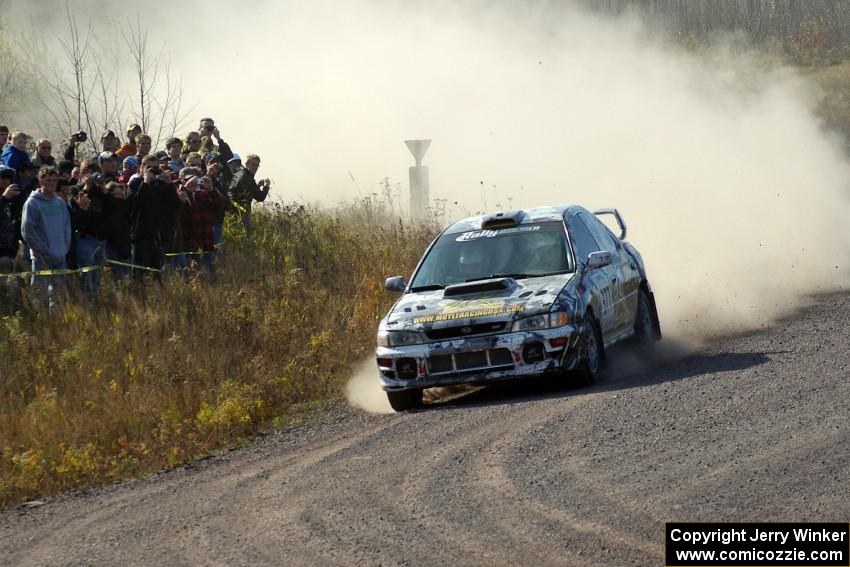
[130,207]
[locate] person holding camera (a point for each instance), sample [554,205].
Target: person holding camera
[153,205]
[8,234]
[202,204]
[75,139]
[128,148]
[11,247]
[117,230]
[207,128]
[244,190]
[221,177]
[90,209]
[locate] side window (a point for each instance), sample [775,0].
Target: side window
[600,233]
[583,240]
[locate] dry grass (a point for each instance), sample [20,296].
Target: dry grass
[154,375]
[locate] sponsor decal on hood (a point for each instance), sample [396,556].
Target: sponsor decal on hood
[529,297]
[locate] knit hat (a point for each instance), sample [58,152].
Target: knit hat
[131,163]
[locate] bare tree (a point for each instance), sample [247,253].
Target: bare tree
[95,93]
[158,102]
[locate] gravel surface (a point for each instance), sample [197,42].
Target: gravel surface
[751,428]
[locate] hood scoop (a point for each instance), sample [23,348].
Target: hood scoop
[501,285]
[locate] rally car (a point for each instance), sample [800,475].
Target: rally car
[520,293]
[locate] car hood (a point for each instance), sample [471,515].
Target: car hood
[519,298]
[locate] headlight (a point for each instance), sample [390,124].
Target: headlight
[532,323]
[546,321]
[399,338]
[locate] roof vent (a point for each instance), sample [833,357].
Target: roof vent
[503,220]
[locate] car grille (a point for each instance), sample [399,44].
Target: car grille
[463,331]
[491,359]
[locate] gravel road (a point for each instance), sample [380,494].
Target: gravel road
[751,428]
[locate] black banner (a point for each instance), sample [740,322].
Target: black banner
[742,544]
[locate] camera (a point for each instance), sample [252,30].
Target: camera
[80,136]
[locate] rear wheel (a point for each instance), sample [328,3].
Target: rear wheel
[592,354]
[644,327]
[405,399]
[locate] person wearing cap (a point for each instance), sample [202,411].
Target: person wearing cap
[128,148]
[43,155]
[16,153]
[163,158]
[108,163]
[129,168]
[244,189]
[234,164]
[109,142]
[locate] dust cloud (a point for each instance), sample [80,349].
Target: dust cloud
[734,191]
[363,390]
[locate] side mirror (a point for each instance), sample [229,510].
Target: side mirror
[396,284]
[596,260]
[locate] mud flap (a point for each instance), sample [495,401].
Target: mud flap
[656,323]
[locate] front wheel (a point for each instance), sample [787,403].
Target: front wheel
[592,354]
[404,400]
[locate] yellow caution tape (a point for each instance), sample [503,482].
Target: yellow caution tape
[134,266]
[60,272]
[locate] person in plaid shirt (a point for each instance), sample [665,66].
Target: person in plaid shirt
[201,204]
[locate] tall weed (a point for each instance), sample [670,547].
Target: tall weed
[151,375]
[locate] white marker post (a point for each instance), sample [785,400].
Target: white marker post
[419,184]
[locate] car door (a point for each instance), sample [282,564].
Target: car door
[597,281]
[626,277]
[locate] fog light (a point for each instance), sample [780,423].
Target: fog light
[406,368]
[532,353]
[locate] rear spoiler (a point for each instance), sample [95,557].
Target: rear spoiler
[617,216]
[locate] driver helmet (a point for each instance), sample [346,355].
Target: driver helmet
[471,260]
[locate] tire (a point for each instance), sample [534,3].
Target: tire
[404,400]
[593,355]
[644,324]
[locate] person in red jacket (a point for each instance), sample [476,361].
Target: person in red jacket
[200,206]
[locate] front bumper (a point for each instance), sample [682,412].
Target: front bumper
[478,360]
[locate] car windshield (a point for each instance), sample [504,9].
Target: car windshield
[521,251]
